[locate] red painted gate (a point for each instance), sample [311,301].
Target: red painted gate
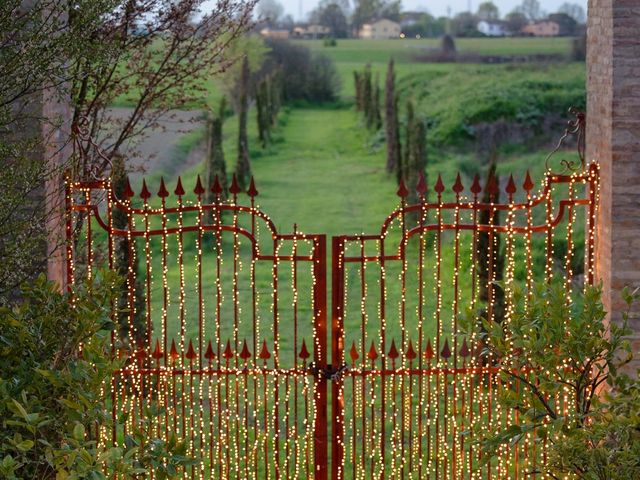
[223,323]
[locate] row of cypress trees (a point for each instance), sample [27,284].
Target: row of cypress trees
[406,143]
[406,156]
[267,93]
[368,97]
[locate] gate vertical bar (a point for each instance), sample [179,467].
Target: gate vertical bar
[320,355]
[337,358]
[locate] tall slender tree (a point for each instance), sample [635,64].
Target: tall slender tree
[367,90]
[490,256]
[126,263]
[263,109]
[391,120]
[243,165]
[377,116]
[215,161]
[357,81]
[414,161]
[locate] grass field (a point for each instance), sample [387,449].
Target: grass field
[404,50]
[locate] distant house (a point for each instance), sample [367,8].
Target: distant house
[270,33]
[492,29]
[544,28]
[381,29]
[311,31]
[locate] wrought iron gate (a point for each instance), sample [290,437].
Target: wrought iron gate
[413,385]
[238,364]
[235,364]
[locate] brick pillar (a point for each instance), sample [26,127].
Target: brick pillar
[613,139]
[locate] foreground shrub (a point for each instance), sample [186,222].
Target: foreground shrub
[54,362]
[554,348]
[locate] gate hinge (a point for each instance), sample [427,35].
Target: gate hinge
[329,372]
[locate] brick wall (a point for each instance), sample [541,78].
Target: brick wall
[613,138]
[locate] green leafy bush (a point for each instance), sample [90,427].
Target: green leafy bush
[552,347]
[306,76]
[54,362]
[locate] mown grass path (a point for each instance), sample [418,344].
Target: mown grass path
[324,176]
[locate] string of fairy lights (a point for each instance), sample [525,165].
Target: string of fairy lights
[415,387]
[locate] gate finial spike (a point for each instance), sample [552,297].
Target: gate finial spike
[157,353]
[264,353]
[228,353]
[372,355]
[127,192]
[199,189]
[457,186]
[216,188]
[179,191]
[528,184]
[421,186]
[439,187]
[245,354]
[464,350]
[411,353]
[353,353]
[446,351]
[162,191]
[304,353]
[428,352]
[173,353]
[209,355]
[511,186]
[476,188]
[393,351]
[145,194]
[234,188]
[402,191]
[191,353]
[252,191]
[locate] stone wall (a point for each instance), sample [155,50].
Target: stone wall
[613,139]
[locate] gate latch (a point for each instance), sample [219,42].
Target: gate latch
[330,372]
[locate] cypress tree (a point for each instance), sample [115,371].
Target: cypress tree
[491,249]
[377,116]
[275,94]
[367,95]
[243,165]
[268,108]
[262,113]
[391,121]
[215,162]
[125,255]
[414,160]
[357,81]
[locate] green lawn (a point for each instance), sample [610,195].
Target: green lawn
[403,50]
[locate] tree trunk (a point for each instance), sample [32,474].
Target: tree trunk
[489,251]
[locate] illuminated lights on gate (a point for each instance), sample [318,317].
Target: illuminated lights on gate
[431,380]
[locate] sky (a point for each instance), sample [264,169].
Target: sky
[435,7]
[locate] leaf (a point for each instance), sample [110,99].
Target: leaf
[78,432]
[20,409]
[25,445]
